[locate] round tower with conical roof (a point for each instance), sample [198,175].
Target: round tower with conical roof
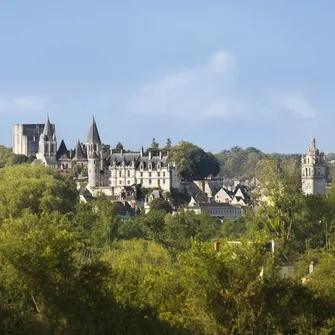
[93,148]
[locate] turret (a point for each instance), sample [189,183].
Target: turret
[93,170]
[93,147]
[93,142]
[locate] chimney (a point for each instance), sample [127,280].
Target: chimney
[217,246]
[149,155]
[160,155]
[121,151]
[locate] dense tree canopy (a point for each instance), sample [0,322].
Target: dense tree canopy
[193,162]
[68,267]
[8,158]
[35,188]
[237,162]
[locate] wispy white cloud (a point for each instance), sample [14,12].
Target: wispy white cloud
[293,104]
[210,91]
[24,104]
[204,91]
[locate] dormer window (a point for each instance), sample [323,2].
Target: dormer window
[141,166]
[158,165]
[150,166]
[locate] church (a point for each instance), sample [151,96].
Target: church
[110,173]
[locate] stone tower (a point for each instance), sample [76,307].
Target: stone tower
[47,146]
[313,171]
[93,148]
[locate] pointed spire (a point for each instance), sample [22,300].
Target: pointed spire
[62,150]
[47,132]
[93,133]
[79,153]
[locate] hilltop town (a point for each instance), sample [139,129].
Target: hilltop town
[118,210]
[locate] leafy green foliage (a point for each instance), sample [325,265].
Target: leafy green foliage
[35,188]
[69,268]
[237,162]
[8,158]
[193,162]
[160,204]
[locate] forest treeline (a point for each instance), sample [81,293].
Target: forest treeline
[195,163]
[69,267]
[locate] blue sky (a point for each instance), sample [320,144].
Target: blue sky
[215,73]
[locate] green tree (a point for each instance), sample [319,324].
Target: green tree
[330,157]
[17,159]
[283,197]
[181,229]
[152,224]
[160,204]
[193,162]
[154,147]
[119,147]
[168,143]
[37,189]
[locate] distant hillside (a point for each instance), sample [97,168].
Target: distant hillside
[237,162]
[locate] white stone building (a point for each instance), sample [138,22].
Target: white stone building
[215,209]
[26,138]
[313,171]
[122,170]
[111,175]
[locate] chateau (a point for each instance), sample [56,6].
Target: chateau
[313,171]
[113,175]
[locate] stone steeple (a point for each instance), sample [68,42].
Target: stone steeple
[93,143]
[47,134]
[93,134]
[313,170]
[47,146]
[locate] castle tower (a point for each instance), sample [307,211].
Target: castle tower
[47,146]
[93,148]
[93,142]
[313,171]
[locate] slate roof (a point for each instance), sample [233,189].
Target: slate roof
[79,152]
[62,151]
[93,133]
[216,204]
[48,134]
[129,158]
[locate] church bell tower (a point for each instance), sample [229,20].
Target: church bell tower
[313,171]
